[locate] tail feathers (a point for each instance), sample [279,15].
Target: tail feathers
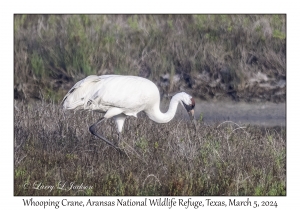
[74,105]
[89,79]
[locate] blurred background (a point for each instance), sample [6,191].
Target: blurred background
[215,58]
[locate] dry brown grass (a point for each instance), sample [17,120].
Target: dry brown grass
[163,159]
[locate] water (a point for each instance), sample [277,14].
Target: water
[266,114]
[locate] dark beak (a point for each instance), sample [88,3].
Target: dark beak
[190,110]
[192,117]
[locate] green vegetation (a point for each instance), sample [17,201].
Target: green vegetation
[53,147]
[212,55]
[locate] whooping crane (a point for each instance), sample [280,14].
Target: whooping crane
[120,96]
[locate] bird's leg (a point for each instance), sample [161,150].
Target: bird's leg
[93,131]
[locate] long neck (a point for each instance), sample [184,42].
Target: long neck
[156,115]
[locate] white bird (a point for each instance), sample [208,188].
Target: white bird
[120,96]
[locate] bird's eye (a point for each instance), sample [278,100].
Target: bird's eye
[82,99]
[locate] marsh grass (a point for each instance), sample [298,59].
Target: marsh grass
[52,147]
[212,55]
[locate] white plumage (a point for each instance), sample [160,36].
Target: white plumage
[120,96]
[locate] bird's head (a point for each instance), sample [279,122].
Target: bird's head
[188,103]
